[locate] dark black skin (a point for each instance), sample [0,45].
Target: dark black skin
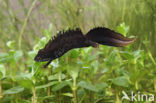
[71,39]
[59,52]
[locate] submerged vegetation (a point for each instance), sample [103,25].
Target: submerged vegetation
[85,75]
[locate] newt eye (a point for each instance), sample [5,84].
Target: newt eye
[37,58]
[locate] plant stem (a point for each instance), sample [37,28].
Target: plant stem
[151,57]
[49,88]
[60,79]
[75,90]
[136,85]
[34,100]
[155,85]
[25,23]
[117,96]
[0,90]
[75,96]
[123,10]
[49,91]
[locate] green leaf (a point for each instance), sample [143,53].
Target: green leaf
[123,29]
[127,55]
[18,54]
[74,53]
[11,44]
[13,90]
[55,63]
[68,94]
[2,71]
[87,86]
[4,57]
[137,54]
[55,77]
[48,32]
[32,53]
[25,80]
[121,81]
[73,72]
[86,50]
[45,97]
[47,85]
[95,64]
[26,83]
[60,85]
[101,86]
